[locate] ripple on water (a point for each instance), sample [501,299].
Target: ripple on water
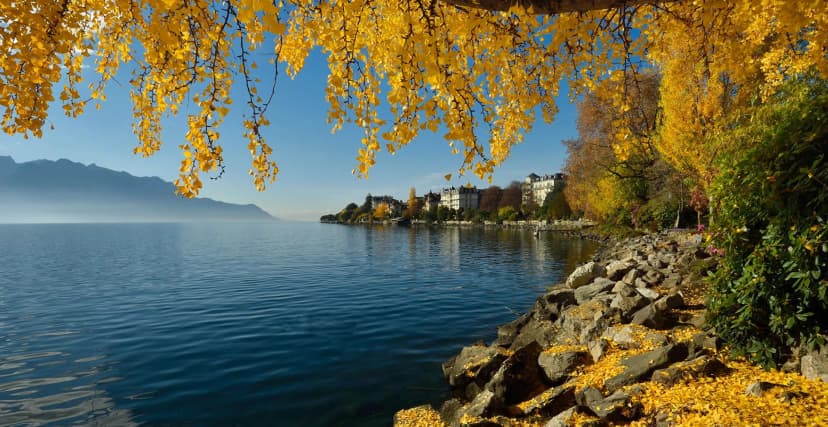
[235,324]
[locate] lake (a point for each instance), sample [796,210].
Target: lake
[283,323]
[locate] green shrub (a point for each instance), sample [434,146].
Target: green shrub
[657,214]
[770,199]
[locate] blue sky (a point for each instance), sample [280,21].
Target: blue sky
[315,165]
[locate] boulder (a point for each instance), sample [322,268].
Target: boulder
[451,411]
[641,367]
[472,390]
[623,289]
[539,331]
[552,401]
[702,366]
[475,363]
[670,302]
[648,293]
[581,323]
[628,305]
[758,388]
[584,274]
[507,333]
[587,292]
[587,396]
[640,283]
[616,408]
[651,317]
[655,261]
[617,269]
[631,276]
[653,277]
[550,305]
[598,348]
[703,344]
[558,366]
[671,280]
[814,365]
[625,336]
[519,377]
[666,259]
[562,419]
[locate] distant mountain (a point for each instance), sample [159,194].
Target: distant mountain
[65,191]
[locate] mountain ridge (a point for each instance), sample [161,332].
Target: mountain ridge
[66,191]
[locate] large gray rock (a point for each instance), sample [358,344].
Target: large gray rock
[670,302]
[451,411]
[641,367]
[562,419]
[558,366]
[628,305]
[623,289]
[552,401]
[475,363]
[507,333]
[519,377]
[587,396]
[581,323]
[624,336]
[814,365]
[648,293]
[584,274]
[758,388]
[655,261]
[550,305]
[653,277]
[617,269]
[631,276]
[539,331]
[702,366]
[671,280]
[651,317]
[616,408]
[588,292]
[703,344]
[640,283]
[483,405]
[598,348]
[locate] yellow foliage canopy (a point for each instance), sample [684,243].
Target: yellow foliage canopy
[382,211]
[435,64]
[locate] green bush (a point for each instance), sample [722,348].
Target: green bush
[657,214]
[770,199]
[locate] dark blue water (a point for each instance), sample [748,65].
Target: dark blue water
[288,324]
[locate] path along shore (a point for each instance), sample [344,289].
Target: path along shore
[623,342]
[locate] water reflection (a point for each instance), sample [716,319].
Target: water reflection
[243,325]
[72,396]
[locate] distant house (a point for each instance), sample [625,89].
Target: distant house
[430,201]
[395,207]
[536,187]
[461,197]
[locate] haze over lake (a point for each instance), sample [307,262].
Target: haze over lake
[277,323]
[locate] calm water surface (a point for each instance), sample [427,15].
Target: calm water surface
[282,324]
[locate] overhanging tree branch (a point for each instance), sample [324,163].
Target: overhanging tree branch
[551,7]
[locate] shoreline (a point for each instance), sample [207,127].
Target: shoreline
[622,341]
[572,229]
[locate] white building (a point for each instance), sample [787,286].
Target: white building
[462,197]
[535,187]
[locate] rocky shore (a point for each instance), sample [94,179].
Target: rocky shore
[622,341]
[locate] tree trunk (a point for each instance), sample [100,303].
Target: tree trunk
[551,7]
